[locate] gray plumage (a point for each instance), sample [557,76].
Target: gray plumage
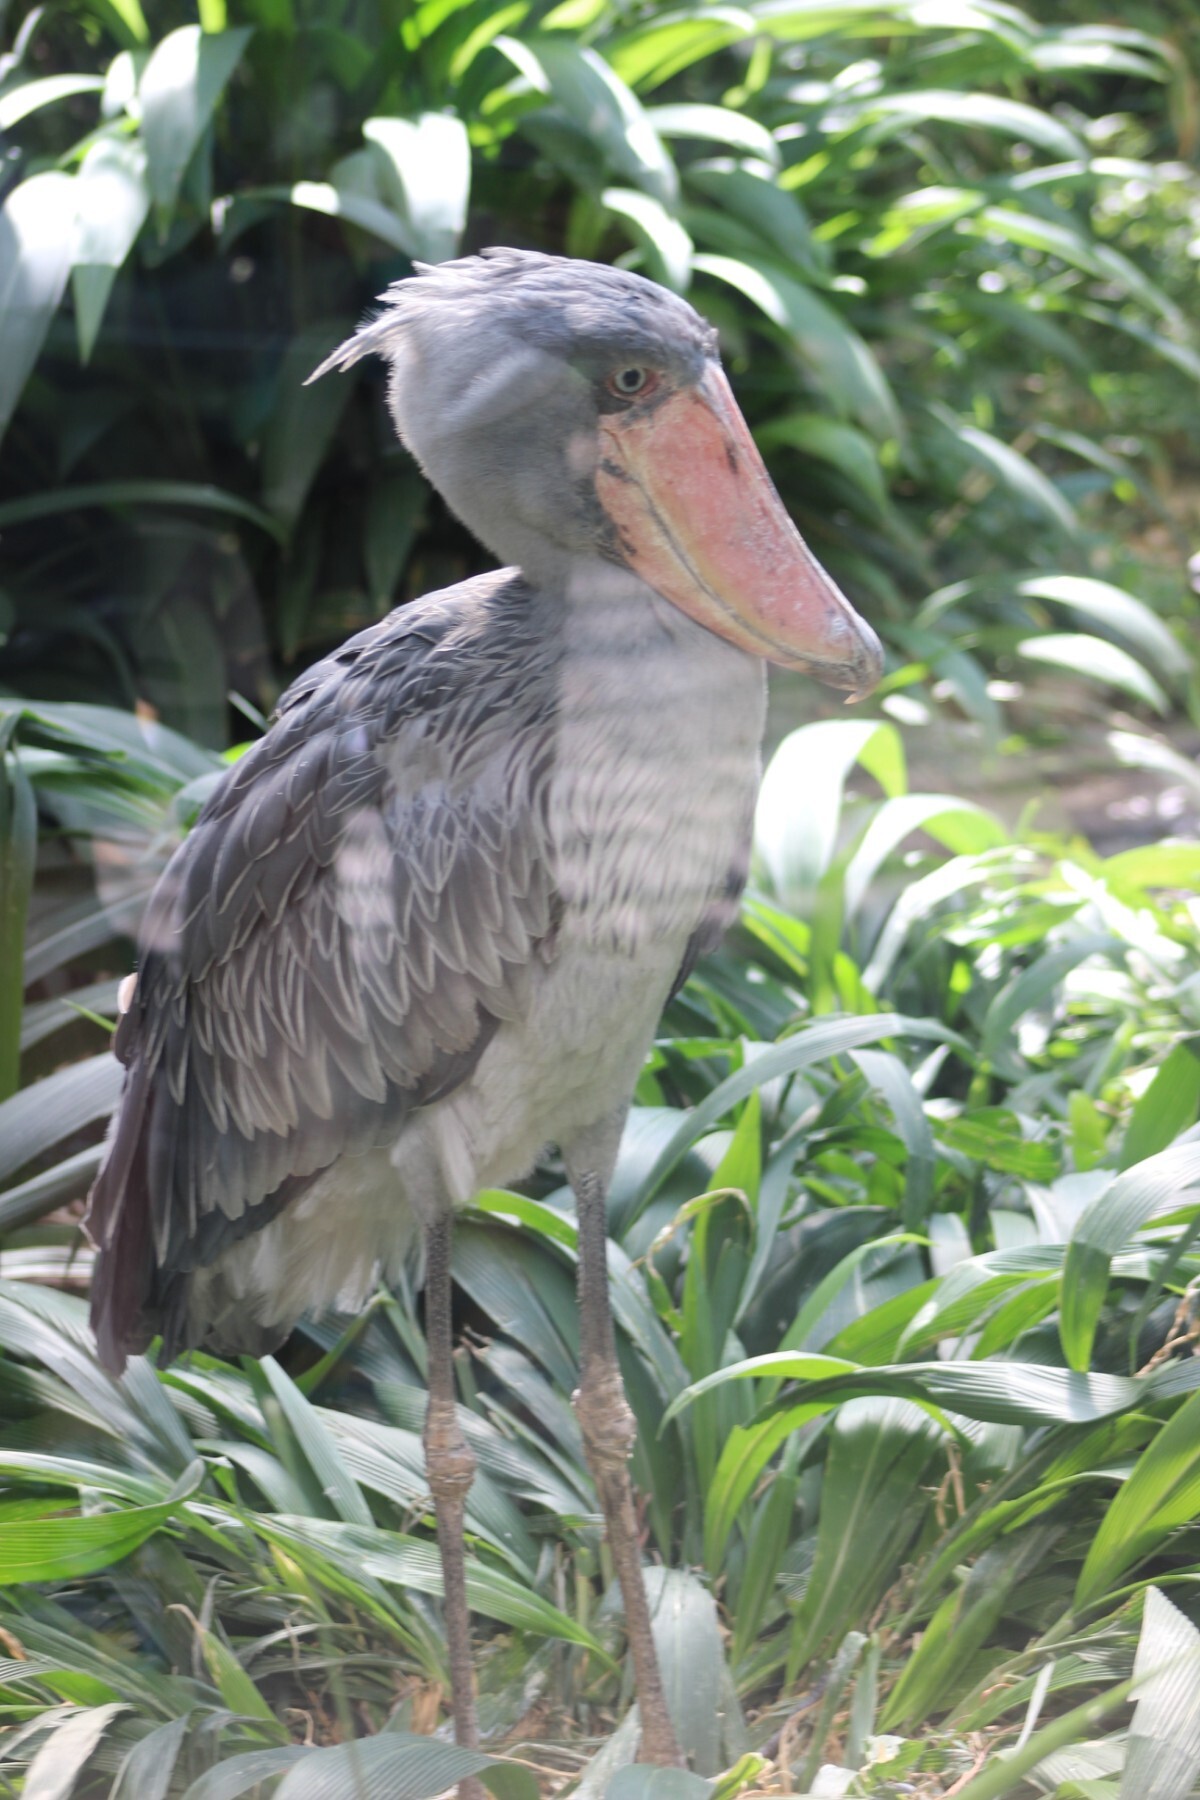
[427,924]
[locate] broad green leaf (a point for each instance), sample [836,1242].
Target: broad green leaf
[427,162]
[687,1637]
[596,100]
[1111,607]
[799,806]
[644,1783]
[1072,246]
[748,193]
[34,1120]
[29,96]
[408,1562]
[1034,492]
[830,441]
[837,356]
[336,202]
[60,1757]
[304,420]
[112,202]
[871,1508]
[813,1043]
[62,1549]
[1161,1494]
[663,44]
[1098,660]
[889,1076]
[986,112]
[245,1774]
[146,1772]
[667,245]
[1160,1185]
[36,222]
[54,501]
[1168,1106]
[1031,988]
[184,79]
[963,827]
[395,1765]
[933,1674]
[716,125]
[317,1447]
[1008,1393]
[1163,1755]
[1136,751]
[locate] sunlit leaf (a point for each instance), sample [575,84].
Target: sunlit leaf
[36,222]
[184,79]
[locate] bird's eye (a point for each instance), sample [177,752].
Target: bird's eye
[626,383]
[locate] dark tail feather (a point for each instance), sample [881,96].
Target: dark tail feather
[118,1222]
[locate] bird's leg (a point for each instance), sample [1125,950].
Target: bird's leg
[608,1433]
[450,1467]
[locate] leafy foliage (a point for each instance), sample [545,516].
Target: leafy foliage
[946,247]
[904,1233]
[900,1313]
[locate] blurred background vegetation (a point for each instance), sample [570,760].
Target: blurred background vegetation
[924,1132]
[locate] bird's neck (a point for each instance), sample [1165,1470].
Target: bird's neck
[636,651]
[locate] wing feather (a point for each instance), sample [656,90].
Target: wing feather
[334,943]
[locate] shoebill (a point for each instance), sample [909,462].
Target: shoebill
[426,926]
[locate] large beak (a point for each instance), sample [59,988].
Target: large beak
[697,517]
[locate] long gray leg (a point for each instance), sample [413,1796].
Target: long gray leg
[450,1466]
[608,1433]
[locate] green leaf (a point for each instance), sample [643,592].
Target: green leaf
[610,115]
[830,441]
[1008,1393]
[836,355]
[29,96]
[112,199]
[1098,660]
[184,79]
[1161,1494]
[687,1637]
[667,245]
[987,112]
[36,222]
[1163,1753]
[871,1507]
[1168,1106]
[814,1042]
[664,44]
[408,1562]
[298,434]
[238,1775]
[54,501]
[799,807]
[1158,1186]
[61,1756]
[717,125]
[145,1773]
[427,164]
[317,1447]
[40,1116]
[1114,609]
[963,827]
[62,1549]
[1035,492]
[394,1765]
[643,1783]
